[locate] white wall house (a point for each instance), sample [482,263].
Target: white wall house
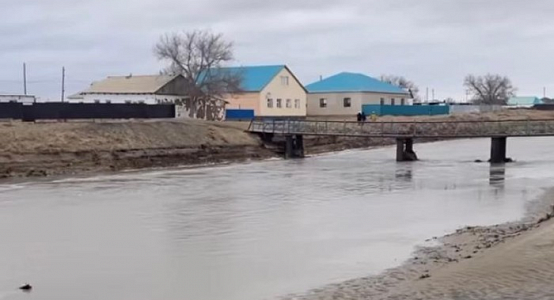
[18,98]
[345,93]
[150,89]
[268,91]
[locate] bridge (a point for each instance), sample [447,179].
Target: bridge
[404,132]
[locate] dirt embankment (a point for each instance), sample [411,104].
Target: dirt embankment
[41,149]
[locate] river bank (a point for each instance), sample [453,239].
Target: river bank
[59,148]
[507,261]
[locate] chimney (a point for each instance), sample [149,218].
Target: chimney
[320,77]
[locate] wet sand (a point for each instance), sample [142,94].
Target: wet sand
[508,261]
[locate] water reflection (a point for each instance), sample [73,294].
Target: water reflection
[497,175]
[404,172]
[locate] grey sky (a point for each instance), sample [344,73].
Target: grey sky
[432,42]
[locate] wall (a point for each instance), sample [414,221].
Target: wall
[276,90]
[17,98]
[116,98]
[65,110]
[239,114]
[335,102]
[406,110]
[244,101]
[465,109]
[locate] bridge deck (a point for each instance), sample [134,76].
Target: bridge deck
[431,129]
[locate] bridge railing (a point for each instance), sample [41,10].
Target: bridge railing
[430,129]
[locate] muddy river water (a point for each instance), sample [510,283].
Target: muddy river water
[253,231]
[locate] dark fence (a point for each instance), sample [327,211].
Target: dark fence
[544,106]
[62,111]
[239,114]
[11,111]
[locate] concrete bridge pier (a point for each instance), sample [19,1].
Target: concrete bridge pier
[405,149]
[294,146]
[498,150]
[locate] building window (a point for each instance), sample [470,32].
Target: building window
[128,101]
[392,101]
[322,102]
[284,80]
[382,101]
[269,103]
[279,103]
[296,103]
[141,101]
[96,100]
[108,101]
[289,103]
[402,101]
[347,102]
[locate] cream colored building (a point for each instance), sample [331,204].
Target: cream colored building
[346,93]
[271,91]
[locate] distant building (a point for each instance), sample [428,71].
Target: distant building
[17,98]
[524,101]
[345,93]
[268,91]
[150,89]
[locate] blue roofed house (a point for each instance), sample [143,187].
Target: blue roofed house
[524,101]
[345,93]
[269,91]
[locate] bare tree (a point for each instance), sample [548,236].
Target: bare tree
[199,56]
[403,83]
[490,89]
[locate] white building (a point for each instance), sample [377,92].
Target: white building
[18,98]
[150,89]
[346,93]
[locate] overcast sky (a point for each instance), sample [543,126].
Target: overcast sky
[435,43]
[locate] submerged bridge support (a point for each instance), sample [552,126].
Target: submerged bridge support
[498,150]
[294,146]
[405,149]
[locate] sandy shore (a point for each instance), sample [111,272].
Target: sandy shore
[508,261]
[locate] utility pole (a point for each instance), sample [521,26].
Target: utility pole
[63,83]
[24,79]
[544,92]
[426,94]
[433,93]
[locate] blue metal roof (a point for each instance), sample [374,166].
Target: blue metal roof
[352,82]
[524,101]
[254,78]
